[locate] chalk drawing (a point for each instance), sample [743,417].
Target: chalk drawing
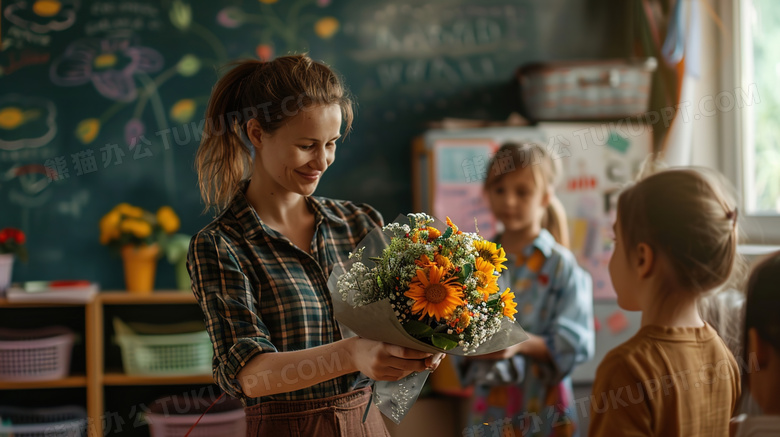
[26,122]
[110,63]
[42,16]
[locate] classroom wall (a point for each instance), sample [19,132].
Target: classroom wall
[406,63]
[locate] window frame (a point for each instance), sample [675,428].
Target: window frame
[736,132]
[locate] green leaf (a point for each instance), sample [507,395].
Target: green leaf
[447,233]
[441,328]
[443,341]
[418,329]
[465,272]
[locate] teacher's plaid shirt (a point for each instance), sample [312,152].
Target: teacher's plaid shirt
[260,293]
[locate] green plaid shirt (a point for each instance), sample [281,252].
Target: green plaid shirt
[260,293]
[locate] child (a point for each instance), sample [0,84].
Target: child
[526,389]
[260,270]
[762,344]
[675,239]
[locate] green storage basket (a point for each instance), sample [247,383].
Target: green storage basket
[168,354]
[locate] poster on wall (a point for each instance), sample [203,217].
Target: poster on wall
[459,171]
[598,162]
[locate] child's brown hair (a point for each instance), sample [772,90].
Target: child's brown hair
[270,92]
[516,156]
[763,302]
[685,215]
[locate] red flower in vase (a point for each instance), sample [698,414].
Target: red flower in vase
[12,241]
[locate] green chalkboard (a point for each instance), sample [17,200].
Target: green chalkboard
[109,95]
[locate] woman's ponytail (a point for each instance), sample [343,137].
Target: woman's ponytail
[223,160]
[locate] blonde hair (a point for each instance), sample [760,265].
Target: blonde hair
[686,215]
[270,92]
[515,156]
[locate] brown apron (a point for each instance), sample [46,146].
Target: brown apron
[337,416]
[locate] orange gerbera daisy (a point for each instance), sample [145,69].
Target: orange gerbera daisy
[433,296]
[452,225]
[433,234]
[486,280]
[488,251]
[423,261]
[509,304]
[443,261]
[464,320]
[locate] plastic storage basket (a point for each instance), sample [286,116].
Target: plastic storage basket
[35,354]
[586,90]
[169,354]
[225,419]
[67,421]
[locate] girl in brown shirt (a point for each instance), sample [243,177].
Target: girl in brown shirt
[675,239]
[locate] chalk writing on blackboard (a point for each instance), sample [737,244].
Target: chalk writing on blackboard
[435,43]
[24,58]
[435,69]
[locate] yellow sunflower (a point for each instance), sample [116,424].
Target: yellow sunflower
[509,304]
[432,296]
[488,251]
[486,280]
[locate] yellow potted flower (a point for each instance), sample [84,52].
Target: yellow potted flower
[140,236]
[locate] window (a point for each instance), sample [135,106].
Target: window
[760,67]
[750,135]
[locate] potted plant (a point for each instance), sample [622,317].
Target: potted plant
[176,252]
[11,245]
[139,236]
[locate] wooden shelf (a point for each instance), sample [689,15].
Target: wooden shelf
[116,297]
[70,381]
[117,378]
[4,303]
[96,379]
[156,297]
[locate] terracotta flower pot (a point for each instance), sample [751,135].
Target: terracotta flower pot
[140,267]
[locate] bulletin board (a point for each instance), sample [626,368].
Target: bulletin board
[597,160]
[449,168]
[459,175]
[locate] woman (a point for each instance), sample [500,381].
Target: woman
[260,270]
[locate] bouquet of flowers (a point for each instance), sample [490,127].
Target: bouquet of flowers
[430,287]
[130,225]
